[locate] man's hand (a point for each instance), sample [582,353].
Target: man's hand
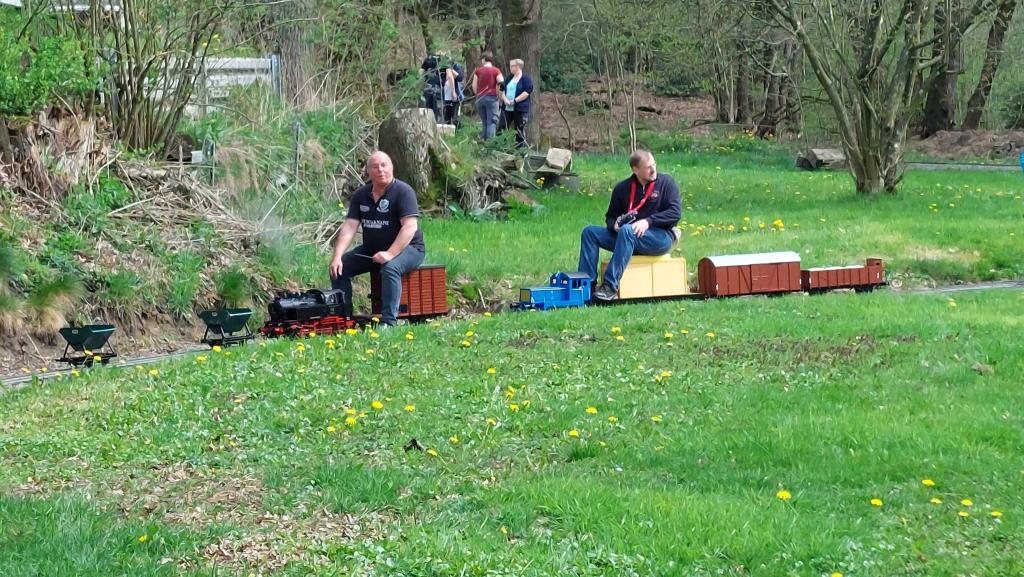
[382,257]
[641,226]
[334,268]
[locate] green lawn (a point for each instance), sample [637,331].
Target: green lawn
[652,439]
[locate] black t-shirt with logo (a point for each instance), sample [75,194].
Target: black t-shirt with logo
[382,220]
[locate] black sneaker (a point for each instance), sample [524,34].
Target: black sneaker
[605,292]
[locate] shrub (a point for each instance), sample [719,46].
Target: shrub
[33,75]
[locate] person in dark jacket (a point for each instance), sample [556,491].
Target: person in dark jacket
[642,213]
[515,100]
[443,92]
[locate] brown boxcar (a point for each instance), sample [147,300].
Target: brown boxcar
[747,274]
[424,293]
[862,277]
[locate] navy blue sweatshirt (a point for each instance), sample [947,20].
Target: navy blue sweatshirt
[663,208]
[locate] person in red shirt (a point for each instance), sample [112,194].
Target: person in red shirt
[486,79]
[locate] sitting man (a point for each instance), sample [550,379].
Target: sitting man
[641,216]
[392,240]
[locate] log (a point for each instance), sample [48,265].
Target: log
[408,136]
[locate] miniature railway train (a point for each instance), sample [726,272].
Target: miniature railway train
[424,296]
[717,276]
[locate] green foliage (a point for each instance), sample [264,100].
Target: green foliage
[1012,109]
[89,209]
[35,70]
[233,287]
[121,290]
[11,264]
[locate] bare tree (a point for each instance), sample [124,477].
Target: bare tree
[866,54]
[993,55]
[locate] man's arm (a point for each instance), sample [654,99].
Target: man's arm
[345,234]
[616,206]
[670,208]
[410,224]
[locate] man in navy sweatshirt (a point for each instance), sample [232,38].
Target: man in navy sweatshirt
[641,215]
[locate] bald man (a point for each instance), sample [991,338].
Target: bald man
[392,240]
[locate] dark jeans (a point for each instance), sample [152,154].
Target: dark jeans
[357,261]
[487,110]
[518,121]
[451,112]
[624,244]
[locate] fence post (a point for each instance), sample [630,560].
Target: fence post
[275,74]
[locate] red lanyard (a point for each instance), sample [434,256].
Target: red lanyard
[632,195]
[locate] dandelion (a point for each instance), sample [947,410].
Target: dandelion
[374,334]
[620,338]
[837,574]
[669,336]
[491,370]
[300,347]
[710,335]
[201,359]
[510,392]
[616,330]
[591,410]
[312,334]
[466,343]
[75,373]
[491,421]
[777,223]
[574,434]
[377,405]
[216,348]
[951,303]
[331,428]
[514,408]
[613,419]
[964,514]
[784,495]
[487,314]
[967,502]
[96,358]
[350,420]
[928,483]
[329,343]
[351,331]
[656,419]
[454,439]
[504,530]
[142,538]
[409,336]
[469,333]
[876,502]
[996,514]
[410,408]
[153,372]
[935,501]
[665,374]
[432,452]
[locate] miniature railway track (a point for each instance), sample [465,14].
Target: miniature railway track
[19,381]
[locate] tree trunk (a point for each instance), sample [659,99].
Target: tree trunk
[407,136]
[297,57]
[6,150]
[993,56]
[940,105]
[743,96]
[521,20]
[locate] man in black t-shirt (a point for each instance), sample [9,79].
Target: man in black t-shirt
[392,240]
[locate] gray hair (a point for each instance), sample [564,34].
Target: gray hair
[639,155]
[516,62]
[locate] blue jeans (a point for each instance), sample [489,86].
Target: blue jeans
[358,261]
[624,244]
[487,110]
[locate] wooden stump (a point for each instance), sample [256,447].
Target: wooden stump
[407,136]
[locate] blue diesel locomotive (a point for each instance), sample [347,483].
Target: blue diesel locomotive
[565,289]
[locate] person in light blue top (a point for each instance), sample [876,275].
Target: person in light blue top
[515,96]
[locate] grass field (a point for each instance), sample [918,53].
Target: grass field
[864,435]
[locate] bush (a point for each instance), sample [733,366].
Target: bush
[32,76]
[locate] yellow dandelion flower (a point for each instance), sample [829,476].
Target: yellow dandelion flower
[153,372]
[329,343]
[362,414]
[669,335]
[837,574]
[491,370]
[201,359]
[331,428]
[454,439]
[935,501]
[466,343]
[784,495]
[377,405]
[876,502]
[492,421]
[350,411]
[75,373]
[350,420]
[312,334]
[616,329]
[409,336]
[620,338]
[613,419]
[469,333]
[666,374]
[951,303]
[510,392]
[504,530]
[967,502]
[374,334]
[656,418]
[592,410]
[574,433]
[300,347]
[216,348]
[684,332]
[710,335]
[514,408]
[142,538]
[487,313]
[432,452]
[351,331]
[964,514]
[410,408]
[96,358]
[996,514]
[928,483]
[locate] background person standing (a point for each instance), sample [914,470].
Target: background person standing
[486,79]
[515,96]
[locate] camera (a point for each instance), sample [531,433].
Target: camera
[626,218]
